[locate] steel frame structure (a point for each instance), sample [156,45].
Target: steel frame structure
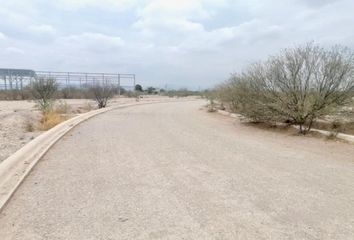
[17,79]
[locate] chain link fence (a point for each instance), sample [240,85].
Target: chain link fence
[18,79]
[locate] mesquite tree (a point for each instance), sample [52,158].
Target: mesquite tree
[102,93]
[43,90]
[297,86]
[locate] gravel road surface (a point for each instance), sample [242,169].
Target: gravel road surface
[174,171]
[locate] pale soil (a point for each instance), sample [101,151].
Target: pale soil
[16,115]
[173,171]
[13,118]
[340,121]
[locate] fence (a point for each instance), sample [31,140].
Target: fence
[18,79]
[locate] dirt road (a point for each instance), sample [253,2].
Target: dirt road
[173,171]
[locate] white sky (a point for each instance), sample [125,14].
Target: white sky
[178,43]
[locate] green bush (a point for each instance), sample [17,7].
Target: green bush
[297,86]
[44,90]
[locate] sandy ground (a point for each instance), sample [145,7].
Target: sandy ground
[173,171]
[15,115]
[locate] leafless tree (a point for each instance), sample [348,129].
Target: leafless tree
[102,93]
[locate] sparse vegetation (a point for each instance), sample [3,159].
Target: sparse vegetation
[297,86]
[151,90]
[73,93]
[101,94]
[210,95]
[50,119]
[43,90]
[16,94]
[183,92]
[62,107]
[138,88]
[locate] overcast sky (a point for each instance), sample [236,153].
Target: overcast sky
[191,43]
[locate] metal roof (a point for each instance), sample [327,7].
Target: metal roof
[17,72]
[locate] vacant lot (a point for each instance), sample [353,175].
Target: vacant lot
[19,120]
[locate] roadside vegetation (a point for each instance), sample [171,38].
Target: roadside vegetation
[41,105]
[182,92]
[50,99]
[101,94]
[44,90]
[301,86]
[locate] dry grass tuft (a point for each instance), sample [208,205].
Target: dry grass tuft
[50,119]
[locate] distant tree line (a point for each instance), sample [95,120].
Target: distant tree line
[182,92]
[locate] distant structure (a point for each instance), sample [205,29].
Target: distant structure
[17,79]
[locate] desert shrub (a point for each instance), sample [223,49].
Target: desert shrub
[119,90]
[65,93]
[133,94]
[129,94]
[15,94]
[101,94]
[50,119]
[43,90]
[6,95]
[297,86]
[211,97]
[26,93]
[182,92]
[73,93]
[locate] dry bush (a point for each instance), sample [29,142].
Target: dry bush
[101,94]
[298,86]
[132,94]
[50,119]
[210,95]
[335,126]
[73,93]
[44,90]
[182,92]
[211,106]
[227,94]
[54,115]
[15,94]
